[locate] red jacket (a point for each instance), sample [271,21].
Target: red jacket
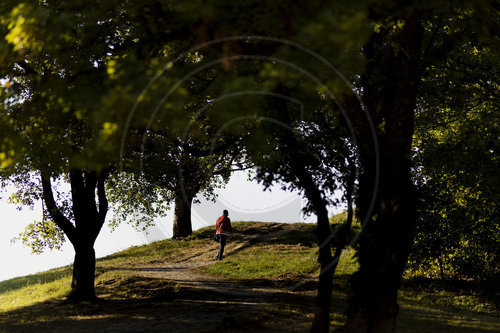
[223,225]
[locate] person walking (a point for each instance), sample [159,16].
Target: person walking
[222,230]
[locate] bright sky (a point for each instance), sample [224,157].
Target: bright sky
[244,200]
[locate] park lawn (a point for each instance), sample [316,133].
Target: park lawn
[291,255]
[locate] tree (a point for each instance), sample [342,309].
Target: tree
[399,47]
[61,65]
[52,56]
[458,221]
[57,119]
[386,199]
[457,122]
[405,42]
[174,161]
[190,159]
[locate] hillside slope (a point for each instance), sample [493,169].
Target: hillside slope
[266,282]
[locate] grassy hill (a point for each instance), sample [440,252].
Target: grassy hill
[266,282]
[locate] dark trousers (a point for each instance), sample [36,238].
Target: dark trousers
[222,243]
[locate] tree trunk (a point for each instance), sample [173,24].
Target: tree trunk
[298,162]
[89,218]
[182,216]
[82,285]
[383,252]
[389,93]
[321,321]
[328,264]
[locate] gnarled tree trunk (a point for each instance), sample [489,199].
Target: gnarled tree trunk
[89,218]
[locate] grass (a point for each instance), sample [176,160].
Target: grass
[273,261]
[266,253]
[27,290]
[292,252]
[448,294]
[39,278]
[268,261]
[144,254]
[55,284]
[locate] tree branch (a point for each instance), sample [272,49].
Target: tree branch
[103,201]
[55,213]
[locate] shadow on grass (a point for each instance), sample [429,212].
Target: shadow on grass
[302,234]
[38,278]
[420,319]
[481,297]
[156,310]
[156,305]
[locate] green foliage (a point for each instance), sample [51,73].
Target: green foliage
[80,97]
[73,79]
[135,200]
[459,225]
[51,68]
[42,235]
[456,151]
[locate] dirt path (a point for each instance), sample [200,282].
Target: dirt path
[185,272]
[213,304]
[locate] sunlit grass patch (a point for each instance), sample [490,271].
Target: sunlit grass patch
[292,252]
[266,262]
[31,289]
[348,264]
[38,278]
[56,283]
